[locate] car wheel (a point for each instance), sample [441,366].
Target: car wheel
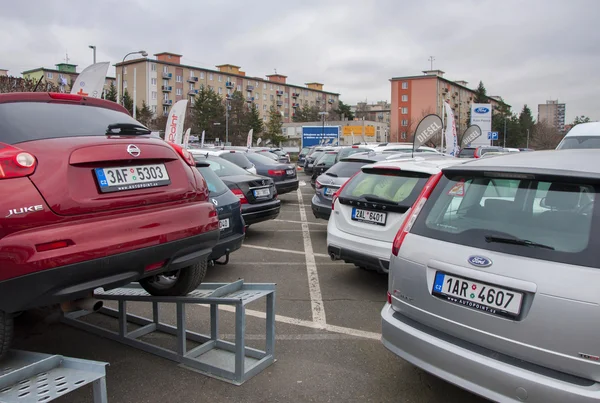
[176,283]
[6,332]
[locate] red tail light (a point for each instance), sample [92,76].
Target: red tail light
[318,185]
[155,266]
[65,97]
[389,297]
[240,195]
[44,247]
[185,154]
[414,213]
[276,172]
[15,163]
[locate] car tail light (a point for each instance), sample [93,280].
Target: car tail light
[414,213]
[240,195]
[44,247]
[65,97]
[276,172]
[389,298]
[318,185]
[155,266]
[15,163]
[185,154]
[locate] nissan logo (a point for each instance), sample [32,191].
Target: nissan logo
[133,150]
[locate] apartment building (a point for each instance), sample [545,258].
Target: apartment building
[414,97]
[553,114]
[163,81]
[376,112]
[64,75]
[3,72]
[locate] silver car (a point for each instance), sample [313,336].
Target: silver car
[493,281]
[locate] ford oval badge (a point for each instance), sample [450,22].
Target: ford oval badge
[479,261]
[481,109]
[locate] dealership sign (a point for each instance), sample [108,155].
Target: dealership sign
[481,115]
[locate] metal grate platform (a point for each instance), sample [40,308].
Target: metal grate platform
[231,362]
[27,377]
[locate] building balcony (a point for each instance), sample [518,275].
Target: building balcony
[295,95]
[318,100]
[167,102]
[168,76]
[167,88]
[193,92]
[279,103]
[250,87]
[192,79]
[331,100]
[229,84]
[279,93]
[250,99]
[295,105]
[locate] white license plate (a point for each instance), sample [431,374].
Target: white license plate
[224,224]
[290,171]
[130,178]
[329,191]
[261,192]
[483,297]
[371,217]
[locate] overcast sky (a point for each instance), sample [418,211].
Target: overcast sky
[525,51]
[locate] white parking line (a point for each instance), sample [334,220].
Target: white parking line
[300,222]
[316,298]
[297,252]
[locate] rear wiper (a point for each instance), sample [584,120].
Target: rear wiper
[127,128]
[517,241]
[330,174]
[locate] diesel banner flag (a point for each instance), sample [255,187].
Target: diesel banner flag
[429,126]
[470,134]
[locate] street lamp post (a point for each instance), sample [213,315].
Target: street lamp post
[93,47]
[227,106]
[323,114]
[141,52]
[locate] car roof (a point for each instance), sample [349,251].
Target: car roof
[572,163]
[585,129]
[418,164]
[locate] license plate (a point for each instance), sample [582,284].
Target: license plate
[329,191]
[483,297]
[224,224]
[290,172]
[130,178]
[262,192]
[371,217]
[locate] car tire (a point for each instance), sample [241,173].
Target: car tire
[6,332]
[181,283]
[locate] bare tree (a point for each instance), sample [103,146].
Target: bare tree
[18,84]
[545,136]
[362,110]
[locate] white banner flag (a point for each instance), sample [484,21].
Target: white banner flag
[174,130]
[259,141]
[202,140]
[90,82]
[249,140]
[450,137]
[186,138]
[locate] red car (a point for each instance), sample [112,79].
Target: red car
[90,199]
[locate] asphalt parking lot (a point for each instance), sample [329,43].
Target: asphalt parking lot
[327,330]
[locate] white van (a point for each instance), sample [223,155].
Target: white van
[584,135]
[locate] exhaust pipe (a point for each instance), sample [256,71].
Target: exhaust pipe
[87,304]
[332,256]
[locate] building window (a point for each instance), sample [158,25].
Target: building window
[124,83]
[220,78]
[191,86]
[403,135]
[202,75]
[256,84]
[271,87]
[191,73]
[210,76]
[50,75]
[153,82]
[264,107]
[239,88]
[165,69]
[404,98]
[305,93]
[179,79]
[228,91]
[264,86]
[264,97]
[153,108]
[248,94]
[220,90]
[166,96]
[272,97]
[404,85]
[286,95]
[404,111]
[179,91]
[153,68]
[125,70]
[154,94]
[165,110]
[404,122]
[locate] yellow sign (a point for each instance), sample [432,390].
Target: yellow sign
[358,131]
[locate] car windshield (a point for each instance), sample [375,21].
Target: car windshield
[393,186]
[222,167]
[304,151]
[467,153]
[348,151]
[316,155]
[260,158]
[572,142]
[215,185]
[552,217]
[238,158]
[345,169]
[326,159]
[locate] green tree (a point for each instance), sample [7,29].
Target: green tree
[111,94]
[307,113]
[341,110]
[580,119]
[207,110]
[501,114]
[144,114]
[481,94]
[525,125]
[238,119]
[273,127]
[128,102]
[254,121]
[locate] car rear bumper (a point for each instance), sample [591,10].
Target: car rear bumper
[253,213]
[226,246]
[478,370]
[287,186]
[369,253]
[77,280]
[319,209]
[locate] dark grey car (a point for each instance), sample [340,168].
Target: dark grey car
[284,175]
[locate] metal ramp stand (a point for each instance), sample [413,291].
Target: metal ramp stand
[230,362]
[27,377]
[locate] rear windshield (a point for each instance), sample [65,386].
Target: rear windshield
[238,159]
[554,217]
[304,151]
[345,169]
[398,187]
[327,159]
[467,153]
[27,121]
[346,152]
[223,167]
[215,185]
[316,155]
[571,142]
[259,158]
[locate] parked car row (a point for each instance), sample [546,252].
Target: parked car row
[491,263]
